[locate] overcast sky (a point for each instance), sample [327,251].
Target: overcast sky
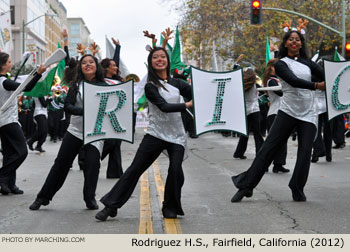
[124,20]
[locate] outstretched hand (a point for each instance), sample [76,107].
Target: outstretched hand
[240,57]
[116,42]
[41,69]
[65,33]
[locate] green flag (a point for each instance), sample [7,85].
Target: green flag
[268,53]
[175,59]
[337,56]
[43,87]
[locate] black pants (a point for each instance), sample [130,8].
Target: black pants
[279,134]
[14,151]
[54,119]
[111,147]
[68,151]
[188,122]
[323,145]
[41,131]
[253,126]
[281,154]
[338,129]
[148,151]
[26,120]
[264,109]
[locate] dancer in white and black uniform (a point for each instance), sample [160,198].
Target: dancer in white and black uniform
[89,70]
[165,132]
[12,138]
[297,109]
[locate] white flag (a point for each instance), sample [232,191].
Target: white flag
[5,33]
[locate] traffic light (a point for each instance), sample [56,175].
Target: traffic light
[347,47]
[255,12]
[347,50]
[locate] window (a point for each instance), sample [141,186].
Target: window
[74,29]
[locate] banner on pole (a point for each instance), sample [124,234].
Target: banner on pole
[218,100]
[337,80]
[108,112]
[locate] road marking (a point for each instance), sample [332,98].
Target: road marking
[145,224]
[172,226]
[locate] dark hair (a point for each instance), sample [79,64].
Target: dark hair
[249,78]
[99,76]
[70,71]
[3,59]
[152,75]
[105,63]
[267,72]
[283,51]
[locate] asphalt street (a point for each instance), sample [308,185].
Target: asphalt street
[205,196]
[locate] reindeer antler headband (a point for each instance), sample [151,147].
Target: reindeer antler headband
[287,26]
[166,34]
[93,48]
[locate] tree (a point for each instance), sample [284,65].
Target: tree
[226,22]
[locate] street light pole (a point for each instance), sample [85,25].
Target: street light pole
[31,21]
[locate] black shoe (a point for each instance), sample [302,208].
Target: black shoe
[105,212]
[5,190]
[30,145]
[38,202]
[339,146]
[39,149]
[298,195]
[314,159]
[240,157]
[92,205]
[16,190]
[279,168]
[329,158]
[169,213]
[242,193]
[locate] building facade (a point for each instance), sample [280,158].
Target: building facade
[78,34]
[28,29]
[4,5]
[54,26]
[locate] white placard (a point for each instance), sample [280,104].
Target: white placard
[108,112]
[337,80]
[218,99]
